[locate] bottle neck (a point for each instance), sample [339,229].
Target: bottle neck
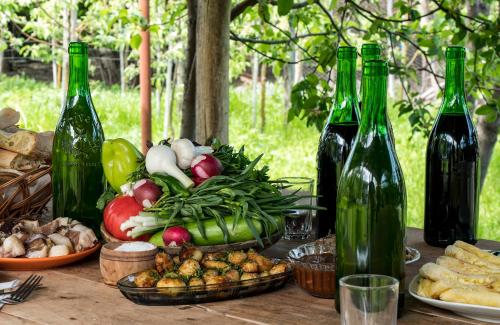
[78,75]
[374,117]
[454,92]
[345,107]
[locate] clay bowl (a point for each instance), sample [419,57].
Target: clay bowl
[117,264]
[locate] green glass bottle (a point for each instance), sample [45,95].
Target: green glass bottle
[77,174]
[452,164]
[372,51]
[371,201]
[337,138]
[369,51]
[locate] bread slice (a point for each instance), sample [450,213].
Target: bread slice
[28,143]
[14,160]
[8,117]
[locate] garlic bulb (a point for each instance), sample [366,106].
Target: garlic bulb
[59,250]
[13,247]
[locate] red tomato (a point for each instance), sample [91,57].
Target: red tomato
[117,212]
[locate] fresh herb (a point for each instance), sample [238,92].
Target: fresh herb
[139,173]
[108,195]
[235,162]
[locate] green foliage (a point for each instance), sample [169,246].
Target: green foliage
[284,7]
[410,35]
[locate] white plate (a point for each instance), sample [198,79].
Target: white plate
[416,255]
[482,313]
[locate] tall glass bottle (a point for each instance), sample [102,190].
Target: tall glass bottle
[337,138]
[77,174]
[371,201]
[369,51]
[452,164]
[372,51]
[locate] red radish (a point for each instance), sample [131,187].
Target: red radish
[177,234]
[117,212]
[205,166]
[146,192]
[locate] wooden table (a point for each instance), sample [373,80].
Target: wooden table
[76,295]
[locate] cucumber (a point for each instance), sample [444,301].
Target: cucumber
[157,239]
[215,236]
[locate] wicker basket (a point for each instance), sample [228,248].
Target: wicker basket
[16,201]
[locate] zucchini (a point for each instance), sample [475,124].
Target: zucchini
[215,236]
[157,239]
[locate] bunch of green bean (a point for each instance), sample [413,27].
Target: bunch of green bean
[240,196]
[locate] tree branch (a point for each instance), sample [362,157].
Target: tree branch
[454,15]
[403,36]
[279,41]
[390,19]
[292,39]
[28,36]
[240,7]
[237,38]
[334,24]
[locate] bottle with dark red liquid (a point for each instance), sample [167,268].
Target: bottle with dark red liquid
[452,164]
[337,138]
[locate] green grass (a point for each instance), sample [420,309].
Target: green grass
[290,150]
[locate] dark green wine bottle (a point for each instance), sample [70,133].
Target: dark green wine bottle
[77,174]
[369,51]
[337,139]
[372,51]
[371,199]
[452,164]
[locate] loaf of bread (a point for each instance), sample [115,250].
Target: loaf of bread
[28,143]
[8,117]
[14,160]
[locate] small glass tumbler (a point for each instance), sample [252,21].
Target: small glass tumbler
[298,222]
[368,299]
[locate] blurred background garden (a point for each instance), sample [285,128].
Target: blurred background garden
[281,73]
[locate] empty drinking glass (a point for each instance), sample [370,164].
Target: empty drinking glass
[298,222]
[368,299]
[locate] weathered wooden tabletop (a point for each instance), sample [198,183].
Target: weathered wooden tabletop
[76,295]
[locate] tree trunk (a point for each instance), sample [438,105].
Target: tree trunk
[73,21]
[173,98]
[255,81]
[263,73]
[122,69]
[65,60]
[168,100]
[145,79]
[54,62]
[1,61]
[158,99]
[288,78]
[487,133]
[212,70]
[390,79]
[188,120]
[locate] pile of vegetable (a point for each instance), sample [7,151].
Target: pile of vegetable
[183,192]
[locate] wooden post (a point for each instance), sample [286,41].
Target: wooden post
[212,70]
[188,120]
[145,80]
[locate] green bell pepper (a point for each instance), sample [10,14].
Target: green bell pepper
[119,158]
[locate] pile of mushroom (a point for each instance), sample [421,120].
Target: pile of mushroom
[60,237]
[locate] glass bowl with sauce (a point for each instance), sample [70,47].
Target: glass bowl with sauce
[314,268]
